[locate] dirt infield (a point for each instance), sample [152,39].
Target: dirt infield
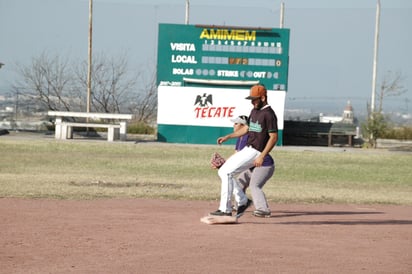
[162,236]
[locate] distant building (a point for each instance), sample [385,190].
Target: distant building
[329,119]
[347,116]
[327,131]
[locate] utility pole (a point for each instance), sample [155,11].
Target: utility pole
[375,57]
[16,110]
[187,12]
[89,67]
[282,15]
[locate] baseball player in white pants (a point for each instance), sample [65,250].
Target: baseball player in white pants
[236,164]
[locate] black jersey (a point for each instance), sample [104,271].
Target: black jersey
[261,122]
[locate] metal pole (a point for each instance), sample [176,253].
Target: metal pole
[89,68]
[375,57]
[16,109]
[187,12]
[282,15]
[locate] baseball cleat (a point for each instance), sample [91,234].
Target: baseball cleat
[220,213]
[241,209]
[261,214]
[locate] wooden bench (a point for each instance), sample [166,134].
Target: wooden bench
[348,135]
[116,129]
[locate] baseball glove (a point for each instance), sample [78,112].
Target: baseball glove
[217,161]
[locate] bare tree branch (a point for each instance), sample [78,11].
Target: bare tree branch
[112,83]
[391,86]
[49,80]
[145,106]
[57,85]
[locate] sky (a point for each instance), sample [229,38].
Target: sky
[331,41]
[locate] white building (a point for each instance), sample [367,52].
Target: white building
[347,116]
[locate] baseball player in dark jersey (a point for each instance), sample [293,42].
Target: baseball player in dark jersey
[254,178]
[263,135]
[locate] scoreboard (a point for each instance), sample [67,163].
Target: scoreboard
[205,72]
[223,55]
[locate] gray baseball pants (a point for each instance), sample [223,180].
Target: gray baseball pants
[255,180]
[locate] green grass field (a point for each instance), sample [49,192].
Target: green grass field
[46,168]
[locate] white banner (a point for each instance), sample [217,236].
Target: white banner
[199,106]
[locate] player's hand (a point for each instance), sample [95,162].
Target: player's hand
[221,140]
[258,161]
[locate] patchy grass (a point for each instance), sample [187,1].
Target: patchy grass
[98,169]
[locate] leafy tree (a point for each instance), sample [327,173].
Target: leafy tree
[375,126]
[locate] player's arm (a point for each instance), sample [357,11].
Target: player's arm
[242,131]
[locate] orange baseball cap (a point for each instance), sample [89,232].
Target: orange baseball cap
[257,91]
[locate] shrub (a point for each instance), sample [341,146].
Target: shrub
[140,128]
[398,133]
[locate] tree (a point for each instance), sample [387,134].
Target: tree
[376,123]
[375,126]
[58,85]
[144,107]
[391,86]
[113,85]
[50,81]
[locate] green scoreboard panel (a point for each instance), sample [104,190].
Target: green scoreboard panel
[223,56]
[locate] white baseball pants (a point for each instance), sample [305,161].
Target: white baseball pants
[237,163]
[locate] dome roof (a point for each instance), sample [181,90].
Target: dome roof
[348,107]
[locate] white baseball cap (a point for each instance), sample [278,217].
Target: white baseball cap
[242,119]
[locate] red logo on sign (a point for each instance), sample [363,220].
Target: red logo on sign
[206,111]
